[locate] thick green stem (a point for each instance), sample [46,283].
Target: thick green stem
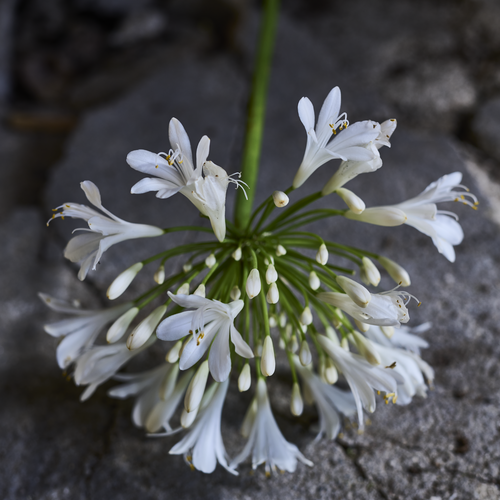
[256,112]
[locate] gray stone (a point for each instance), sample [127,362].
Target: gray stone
[7,8]
[486,127]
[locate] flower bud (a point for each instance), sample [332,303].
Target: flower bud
[396,272]
[344,344]
[353,201]
[293,345]
[273,294]
[322,255]
[200,291]
[119,327]
[369,272]
[188,418]
[331,373]
[332,335]
[123,280]
[235,293]
[183,289]
[356,292]
[306,317]
[245,379]
[210,261]
[145,328]
[196,388]
[280,199]
[366,348]
[253,285]
[267,361]
[237,254]
[363,327]
[187,267]
[305,354]
[282,319]
[282,343]
[273,323]
[271,274]
[280,250]
[159,275]
[174,353]
[296,403]
[388,331]
[379,216]
[288,331]
[314,281]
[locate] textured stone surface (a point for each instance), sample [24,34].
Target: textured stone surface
[445,447]
[486,127]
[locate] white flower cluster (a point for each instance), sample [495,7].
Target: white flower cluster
[289,298]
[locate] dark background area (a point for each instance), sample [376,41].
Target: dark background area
[83,82]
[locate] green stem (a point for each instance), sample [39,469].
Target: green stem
[256,112]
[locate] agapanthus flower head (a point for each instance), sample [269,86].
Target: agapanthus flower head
[265,443]
[332,137]
[211,321]
[103,231]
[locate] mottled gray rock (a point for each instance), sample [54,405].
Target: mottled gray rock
[486,127]
[7,8]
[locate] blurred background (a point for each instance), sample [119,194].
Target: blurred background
[83,82]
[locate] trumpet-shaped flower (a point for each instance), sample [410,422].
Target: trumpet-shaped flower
[211,321]
[205,184]
[404,337]
[203,443]
[79,332]
[422,213]
[103,232]
[329,400]
[384,309]
[362,377]
[349,142]
[266,443]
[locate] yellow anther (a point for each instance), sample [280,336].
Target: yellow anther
[191,332]
[156,166]
[419,304]
[268,473]
[191,466]
[54,210]
[474,207]
[394,399]
[462,197]
[53,216]
[68,206]
[392,366]
[200,336]
[62,217]
[378,393]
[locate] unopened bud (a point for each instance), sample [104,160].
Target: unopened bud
[253,285]
[210,261]
[268,361]
[332,335]
[200,291]
[235,293]
[123,280]
[282,343]
[280,250]
[196,388]
[379,216]
[283,319]
[120,326]
[273,294]
[159,275]
[245,379]
[306,317]
[396,272]
[145,328]
[370,275]
[356,292]
[353,201]
[344,344]
[280,199]
[187,267]
[237,254]
[293,344]
[183,289]
[188,418]
[366,348]
[296,403]
[314,281]
[363,327]
[271,274]
[174,353]
[272,322]
[388,331]
[322,255]
[331,373]
[305,354]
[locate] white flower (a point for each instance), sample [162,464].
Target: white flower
[396,272]
[253,284]
[204,441]
[384,309]
[421,213]
[280,199]
[273,294]
[177,173]
[100,363]
[212,319]
[80,331]
[368,273]
[296,402]
[348,170]
[322,255]
[348,144]
[358,293]
[314,281]
[245,379]
[268,360]
[266,443]
[362,377]
[104,230]
[330,401]
[123,280]
[403,337]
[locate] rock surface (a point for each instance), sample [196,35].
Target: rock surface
[445,447]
